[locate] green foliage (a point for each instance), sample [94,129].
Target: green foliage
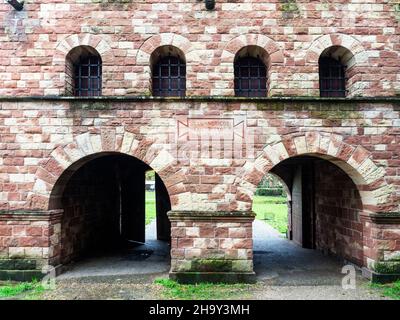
[270,192]
[387,267]
[9,289]
[201,291]
[272,210]
[150,175]
[391,290]
[290,9]
[150,206]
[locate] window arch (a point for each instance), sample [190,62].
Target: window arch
[334,64]
[168,72]
[84,72]
[250,68]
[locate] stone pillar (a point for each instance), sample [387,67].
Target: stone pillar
[381,238]
[211,246]
[28,242]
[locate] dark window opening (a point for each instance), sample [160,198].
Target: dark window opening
[332,78]
[169,77]
[83,72]
[250,77]
[88,77]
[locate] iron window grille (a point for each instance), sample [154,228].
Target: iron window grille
[169,77]
[332,78]
[88,77]
[250,77]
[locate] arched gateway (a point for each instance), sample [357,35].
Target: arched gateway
[98,181]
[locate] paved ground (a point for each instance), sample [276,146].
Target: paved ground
[151,258]
[284,271]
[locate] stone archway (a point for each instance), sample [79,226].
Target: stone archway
[357,165]
[355,161]
[97,42]
[100,176]
[342,40]
[225,64]
[65,159]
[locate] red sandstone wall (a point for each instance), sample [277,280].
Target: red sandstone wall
[31,131]
[34,42]
[32,237]
[90,220]
[339,228]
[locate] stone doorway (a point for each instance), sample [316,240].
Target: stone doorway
[103,227]
[324,207]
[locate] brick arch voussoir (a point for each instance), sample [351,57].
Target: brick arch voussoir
[326,41]
[259,40]
[102,46]
[64,160]
[165,39]
[355,161]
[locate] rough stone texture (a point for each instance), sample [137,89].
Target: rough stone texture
[211,243]
[338,208]
[36,41]
[43,142]
[28,243]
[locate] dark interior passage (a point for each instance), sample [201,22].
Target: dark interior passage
[324,207]
[104,207]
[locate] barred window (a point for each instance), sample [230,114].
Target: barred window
[169,77]
[250,77]
[332,77]
[84,72]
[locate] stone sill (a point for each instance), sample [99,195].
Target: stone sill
[20,215]
[286,99]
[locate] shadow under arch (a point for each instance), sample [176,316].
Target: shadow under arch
[103,201]
[355,161]
[325,208]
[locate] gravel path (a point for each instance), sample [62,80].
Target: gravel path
[284,271]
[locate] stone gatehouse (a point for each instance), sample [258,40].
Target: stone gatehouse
[95,93]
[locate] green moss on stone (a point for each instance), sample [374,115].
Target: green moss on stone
[271,105]
[211,265]
[388,267]
[336,114]
[89,105]
[17,264]
[290,9]
[397,11]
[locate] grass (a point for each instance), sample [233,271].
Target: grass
[150,206]
[391,290]
[31,289]
[201,291]
[272,210]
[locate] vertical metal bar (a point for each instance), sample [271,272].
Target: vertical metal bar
[89,84]
[80,79]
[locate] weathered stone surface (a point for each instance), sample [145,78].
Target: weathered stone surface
[43,142]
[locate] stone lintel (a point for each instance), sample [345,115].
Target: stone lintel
[237,216]
[29,215]
[203,98]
